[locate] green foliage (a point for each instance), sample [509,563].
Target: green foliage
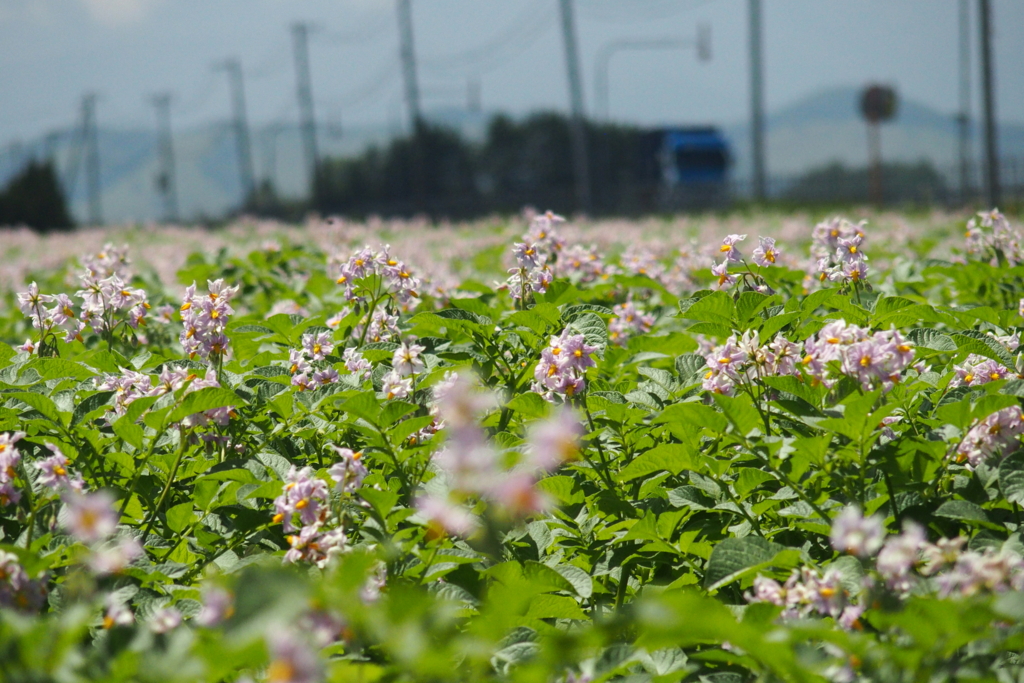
[632,555]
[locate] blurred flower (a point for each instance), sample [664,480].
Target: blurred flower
[348,473]
[90,516]
[218,605]
[554,441]
[444,516]
[854,534]
[164,619]
[291,661]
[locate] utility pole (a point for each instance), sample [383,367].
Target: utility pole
[989,101]
[300,36]
[756,101]
[578,130]
[963,119]
[241,125]
[165,180]
[407,53]
[92,158]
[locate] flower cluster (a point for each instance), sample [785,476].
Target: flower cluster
[836,245]
[306,496]
[994,436]
[532,273]
[383,327]
[10,458]
[742,360]
[130,386]
[394,273]
[640,260]
[991,235]
[766,254]
[628,320]
[807,592]
[907,562]
[977,370]
[54,473]
[875,360]
[303,508]
[105,293]
[17,589]
[406,364]
[582,264]
[316,346]
[205,318]
[562,366]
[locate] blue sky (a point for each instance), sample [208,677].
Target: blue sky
[51,51]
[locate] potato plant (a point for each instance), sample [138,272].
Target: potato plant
[746,460]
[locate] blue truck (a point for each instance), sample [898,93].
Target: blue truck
[687,167]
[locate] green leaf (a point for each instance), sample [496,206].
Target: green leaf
[203,400]
[579,579]
[58,368]
[689,364]
[529,404]
[593,329]
[749,479]
[983,346]
[363,405]
[772,325]
[667,457]
[554,607]
[394,411]
[179,516]
[793,385]
[732,558]
[563,488]
[92,407]
[382,502]
[962,510]
[1011,477]
[129,432]
[694,416]
[931,339]
[716,307]
[740,412]
[44,405]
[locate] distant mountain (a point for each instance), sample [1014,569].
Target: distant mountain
[827,126]
[817,130]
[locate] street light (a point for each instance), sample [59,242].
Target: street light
[604,56]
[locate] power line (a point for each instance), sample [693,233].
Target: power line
[165,180]
[581,169]
[304,90]
[620,11]
[603,60]
[366,34]
[240,123]
[533,20]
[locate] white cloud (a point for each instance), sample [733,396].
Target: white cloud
[119,12]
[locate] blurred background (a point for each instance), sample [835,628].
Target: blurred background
[118,111]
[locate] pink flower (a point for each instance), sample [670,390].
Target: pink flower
[721,272]
[444,516]
[855,534]
[766,253]
[91,516]
[555,440]
[730,249]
